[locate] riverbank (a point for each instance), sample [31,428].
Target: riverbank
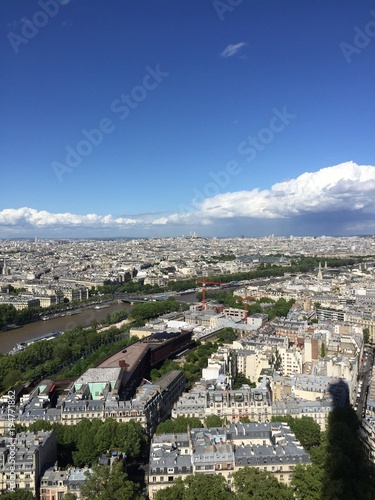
[85,317]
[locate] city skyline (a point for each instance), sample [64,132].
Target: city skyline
[224,119]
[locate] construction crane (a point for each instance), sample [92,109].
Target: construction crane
[203,282]
[245,300]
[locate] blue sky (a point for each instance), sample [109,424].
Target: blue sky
[200,108]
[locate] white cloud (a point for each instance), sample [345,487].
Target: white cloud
[232,49]
[29,217]
[344,187]
[344,193]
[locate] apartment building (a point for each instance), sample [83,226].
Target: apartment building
[270,447]
[24,459]
[298,407]
[94,395]
[205,400]
[54,484]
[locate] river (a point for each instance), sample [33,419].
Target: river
[11,338]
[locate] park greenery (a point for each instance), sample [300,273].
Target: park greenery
[109,483]
[18,495]
[241,380]
[78,349]
[81,444]
[226,298]
[66,356]
[226,336]
[147,310]
[191,365]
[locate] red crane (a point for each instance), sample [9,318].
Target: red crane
[245,302]
[203,282]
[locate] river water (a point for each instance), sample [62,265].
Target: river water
[9,339]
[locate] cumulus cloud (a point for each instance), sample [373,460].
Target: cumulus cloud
[232,49]
[30,217]
[341,197]
[345,187]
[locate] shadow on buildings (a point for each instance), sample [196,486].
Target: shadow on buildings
[349,474]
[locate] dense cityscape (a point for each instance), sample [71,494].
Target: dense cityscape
[221,347]
[187,250]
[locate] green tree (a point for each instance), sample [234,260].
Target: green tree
[240,380]
[87,448]
[323,352]
[307,482]
[129,438]
[175,492]
[109,483]
[366,335]
[104,438]
[213,421]
[11,378]
[307,431]
[245,420]
[251,483]
[227,336]
[198,487]
[180,424]
[348,472]
[69,496]
[18,495]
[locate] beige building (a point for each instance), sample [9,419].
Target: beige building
[271,447]
[24,459]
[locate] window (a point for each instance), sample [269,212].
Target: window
[170,478]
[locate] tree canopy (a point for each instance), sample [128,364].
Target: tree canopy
[81,444]
[179,424]
[251,483]
[198,487]
[109,483]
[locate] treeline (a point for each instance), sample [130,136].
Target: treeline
[194,361]
[10,315]
[300,264]
[278,307]
[148,310]
[82,348]
[248,483]
[81,444]
[78,349]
